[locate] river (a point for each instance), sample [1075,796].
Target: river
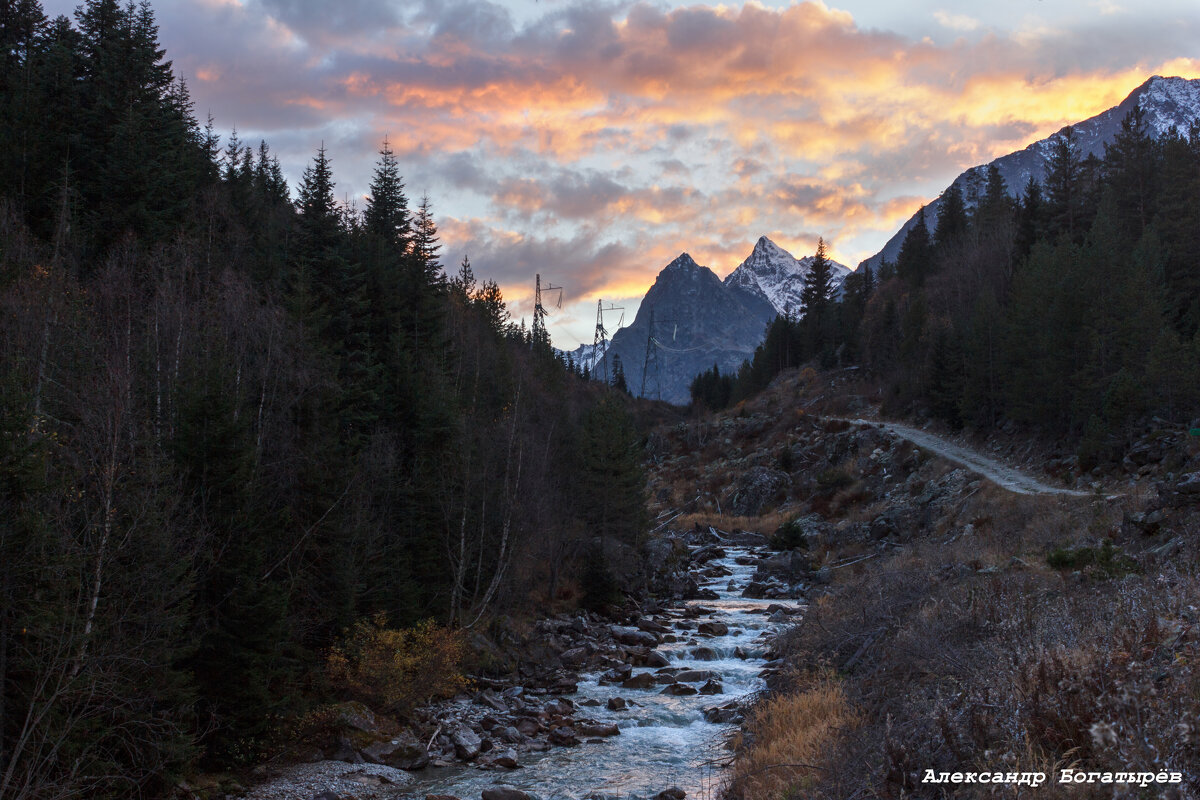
[664,740]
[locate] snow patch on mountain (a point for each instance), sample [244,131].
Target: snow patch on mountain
[774,274]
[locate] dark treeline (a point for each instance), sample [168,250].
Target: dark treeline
[1073,308]
[234,424]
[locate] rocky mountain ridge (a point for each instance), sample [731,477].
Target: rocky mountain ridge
[1168,103]
[700,320]
[777,276]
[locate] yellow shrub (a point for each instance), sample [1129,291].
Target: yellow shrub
[397,669]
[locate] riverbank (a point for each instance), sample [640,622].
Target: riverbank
[630,707]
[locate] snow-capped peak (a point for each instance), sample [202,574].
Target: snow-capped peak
[777,276]
[1168,102]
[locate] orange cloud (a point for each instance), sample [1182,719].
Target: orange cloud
[603,143]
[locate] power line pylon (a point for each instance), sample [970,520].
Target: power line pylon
[651,360]
[600,341]
[650,366]
[539,334]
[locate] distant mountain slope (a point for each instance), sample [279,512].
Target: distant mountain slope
[1168,103]
[698,322]
[775,275]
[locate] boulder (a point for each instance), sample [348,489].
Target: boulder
[1189,483]
[679,689]
[1145,522]
[466,742]
[617,674]
[488,698]
[657,659]
[590,728]
[401,752]
[575,657]
[704,654]
[617,704]
[695,675]
[674,793]
[561,707]
[504,792]
[713,629]
[652,626]
[563,737]
[643,680]
[344,751]
[712,687]
[506,758]
[510,735]
[724,715]
[633,636]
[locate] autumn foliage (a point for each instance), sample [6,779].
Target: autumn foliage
[397,669]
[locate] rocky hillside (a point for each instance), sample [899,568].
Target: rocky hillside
[967,627]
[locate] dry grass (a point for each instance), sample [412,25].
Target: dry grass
[765,524]
[975,654]
[789,738]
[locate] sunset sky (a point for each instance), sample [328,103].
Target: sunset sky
[594,141]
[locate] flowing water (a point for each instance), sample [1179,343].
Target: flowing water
[665,740]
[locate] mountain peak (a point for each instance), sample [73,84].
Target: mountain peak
[683,261]
[775,275]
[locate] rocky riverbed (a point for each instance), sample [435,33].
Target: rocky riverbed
[639,707]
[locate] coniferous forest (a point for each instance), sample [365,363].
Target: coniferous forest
[235,424]
[1073,308]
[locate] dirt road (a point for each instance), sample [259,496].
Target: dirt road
[1001,474]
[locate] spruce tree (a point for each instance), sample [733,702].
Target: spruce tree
[1064,187]
[951,218]
[916,252]
[1131,165]
[386,215]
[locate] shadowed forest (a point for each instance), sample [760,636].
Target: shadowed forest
[235,424]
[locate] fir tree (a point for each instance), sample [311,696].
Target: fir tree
[1064,187]
[386,215]
[916,252]
[818,285]
[951,218]
[1131,164]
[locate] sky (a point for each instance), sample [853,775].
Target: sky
[592,142]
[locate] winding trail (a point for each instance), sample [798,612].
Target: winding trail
[998,473]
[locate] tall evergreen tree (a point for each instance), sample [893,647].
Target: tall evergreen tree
[818,288]
[386,215]
[1131,164]
[951,219]
[916,252]
[1064,187]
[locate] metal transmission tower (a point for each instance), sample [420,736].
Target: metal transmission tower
[539,334]
[600,342]
[650,366]
[651,359]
